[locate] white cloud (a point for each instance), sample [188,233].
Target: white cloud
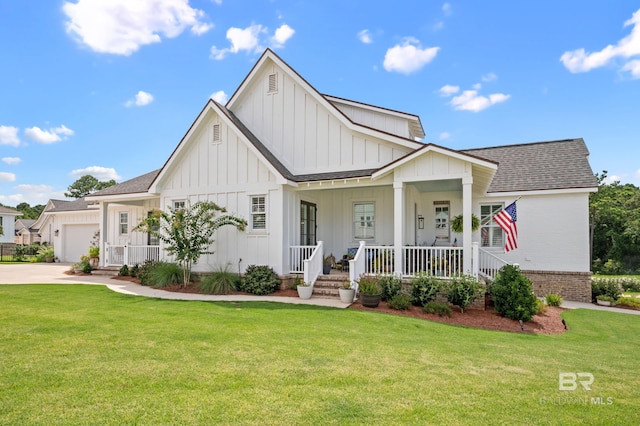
[12,160]
[57,134]
[446,9]
[489,77]
[580,60]
[98,172]
[477,86]
[9,136]
[7,177]
[408,57]
[141,99]
[444,136]
[282,34]
[252,40]
[220,97]
[32,194]
[121,27]
[365,37]
[611,179]
[470,100]
[448,90]
[438,26]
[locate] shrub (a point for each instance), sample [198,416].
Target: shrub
[296,282]
[369,284]
[605,286]
[124,271]
[541,308]
[400,302]
[553,299]
[606,298]
[220,281]
[85,265]
[424,289]
[630,284]
[464,290]
[442,309]
[164,274]
[144,272]
[512,294]
[391,286]
[133,271]
[260,280]
[629,301]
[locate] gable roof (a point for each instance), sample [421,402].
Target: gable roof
[9,211]
[560,164]
[69,206]
[24,223]
[137,185]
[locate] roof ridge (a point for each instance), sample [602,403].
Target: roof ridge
[523,144]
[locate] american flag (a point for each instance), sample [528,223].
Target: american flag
[506,219]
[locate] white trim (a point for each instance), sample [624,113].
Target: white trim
[541,192]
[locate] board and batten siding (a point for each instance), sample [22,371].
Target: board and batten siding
[377,120]
[432,166]
[307,135]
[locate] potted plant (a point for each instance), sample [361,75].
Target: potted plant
[327,263]
[347,293]
[47,253]
[456,223]
[605,300]
[305,290]
[370,291]
[94,255]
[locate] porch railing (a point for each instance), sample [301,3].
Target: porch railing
[297,256]
[313,265]
[439,261]
[129,255]
[489,264]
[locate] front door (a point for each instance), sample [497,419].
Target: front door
[307,224]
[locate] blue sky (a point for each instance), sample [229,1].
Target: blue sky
[109,87]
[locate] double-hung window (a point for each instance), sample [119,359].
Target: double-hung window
[490,232]
[259,212]
[123,223]
[178,205]
[364,221]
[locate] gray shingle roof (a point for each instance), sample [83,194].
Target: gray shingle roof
[9,210]
[561,164]
[69,206]
[136,185]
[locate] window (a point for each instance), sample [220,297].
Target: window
[124,223]
[442,221]
[178,204]
[364,221]
[215,133]
[258,212]
[490,232]
[273,83]
[153,240]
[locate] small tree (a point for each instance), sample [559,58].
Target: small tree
[86,185]
[187,233]
[512,294]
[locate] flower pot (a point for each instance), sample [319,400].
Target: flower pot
[305,292]
[326,269]
[603,302]
[370,300]
[347,294]
[93,261]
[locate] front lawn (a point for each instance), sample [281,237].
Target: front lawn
[78,354]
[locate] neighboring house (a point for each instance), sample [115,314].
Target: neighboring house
[7,224]
[25,233]
[315,174]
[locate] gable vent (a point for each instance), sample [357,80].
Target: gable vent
[273,83]
[215,133]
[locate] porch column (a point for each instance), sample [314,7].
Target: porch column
[398,226]
[467,183]
[104,217]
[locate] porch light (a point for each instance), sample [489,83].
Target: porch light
[420,221]
[56,232]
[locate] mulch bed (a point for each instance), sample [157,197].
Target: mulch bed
[548,323]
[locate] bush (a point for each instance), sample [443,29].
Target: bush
[629,301]
[464,290]
[424,289]
[541,308]
[220,281]
[260,280]
[630,284]
[164,274]
[124,271]
[605,286]
[144,272]
[133,271]
[86,266]
[400,302]
[512,294]
[391,286]
[553,299]
[442,309]
[369,284]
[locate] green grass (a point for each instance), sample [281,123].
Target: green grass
[79,354]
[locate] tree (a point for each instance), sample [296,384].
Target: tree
[86,185]
[187,233]
[29,212]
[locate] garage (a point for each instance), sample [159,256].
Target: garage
[76,240]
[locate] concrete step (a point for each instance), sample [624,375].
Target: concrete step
[110,271]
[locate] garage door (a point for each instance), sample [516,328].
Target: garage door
[76,241]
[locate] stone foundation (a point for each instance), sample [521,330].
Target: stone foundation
[575,286]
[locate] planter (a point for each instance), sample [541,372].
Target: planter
[326,269]
[370,300]
[603,302]
[347,294]
[48,259]
[305,292]
[93,261]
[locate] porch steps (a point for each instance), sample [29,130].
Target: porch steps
[328,285]
[110,271]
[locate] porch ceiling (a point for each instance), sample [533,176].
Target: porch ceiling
[448,185]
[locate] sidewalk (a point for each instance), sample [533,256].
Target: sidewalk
[54,273]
